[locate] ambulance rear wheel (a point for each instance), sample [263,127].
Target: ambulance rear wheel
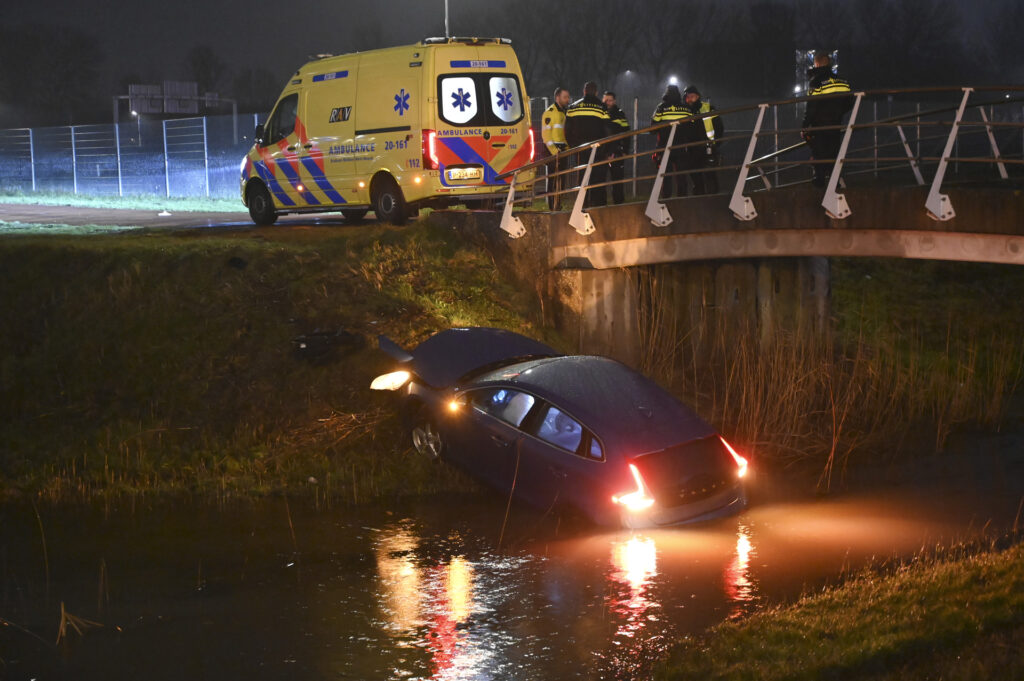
[389,204]
[261,206]
[354,214]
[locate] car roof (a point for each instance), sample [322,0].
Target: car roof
[445,357]
[624,408]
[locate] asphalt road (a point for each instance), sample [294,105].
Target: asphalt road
[79,216]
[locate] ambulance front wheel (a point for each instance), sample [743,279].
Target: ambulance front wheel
[389,204]
[261,206]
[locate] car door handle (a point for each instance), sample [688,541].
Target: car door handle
[307,146]
[291,148]
[557,472]
[500,441]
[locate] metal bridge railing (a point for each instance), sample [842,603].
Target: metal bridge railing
[924,130]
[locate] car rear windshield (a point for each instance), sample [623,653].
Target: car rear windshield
[479,99]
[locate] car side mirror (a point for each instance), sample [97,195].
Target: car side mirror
[258,135]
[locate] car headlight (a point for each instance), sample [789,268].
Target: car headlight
[393,381]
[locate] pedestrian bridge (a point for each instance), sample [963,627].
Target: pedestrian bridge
[923,173]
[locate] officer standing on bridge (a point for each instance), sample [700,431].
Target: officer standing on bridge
[670,110]
[552,132]
[706,130]
[586,120]
[617,168]
[824,112]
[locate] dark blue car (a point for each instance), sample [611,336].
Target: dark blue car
[581,431]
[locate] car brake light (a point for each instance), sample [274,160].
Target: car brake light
[533,148]
[740,461]
[638,499]
[430,161]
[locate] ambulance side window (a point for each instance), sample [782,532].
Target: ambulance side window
[282,121]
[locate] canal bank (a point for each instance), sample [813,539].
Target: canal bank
[224,362]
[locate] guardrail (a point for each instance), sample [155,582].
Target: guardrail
[995,124]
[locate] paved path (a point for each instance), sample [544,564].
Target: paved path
[76,215]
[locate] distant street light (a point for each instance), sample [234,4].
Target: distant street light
[672,80]
[796,89]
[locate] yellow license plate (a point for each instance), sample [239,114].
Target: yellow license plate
[463,174]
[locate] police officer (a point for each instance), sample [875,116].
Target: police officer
[824,112]
[706,130]
[552,132]
[617,168]
[670,110]
[586,120]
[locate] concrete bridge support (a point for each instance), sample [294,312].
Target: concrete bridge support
[651,316]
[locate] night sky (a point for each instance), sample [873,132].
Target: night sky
[149,42]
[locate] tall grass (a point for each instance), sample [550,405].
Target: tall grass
[872,384]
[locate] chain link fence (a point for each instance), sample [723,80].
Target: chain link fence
[185,157]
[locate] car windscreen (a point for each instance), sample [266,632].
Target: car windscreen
[479,99]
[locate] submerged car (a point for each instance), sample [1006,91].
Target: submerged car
[581,431]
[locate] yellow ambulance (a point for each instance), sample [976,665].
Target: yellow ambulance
[391,130]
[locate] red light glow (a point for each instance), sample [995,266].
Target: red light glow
[430,161]
[638,499]
[740,461]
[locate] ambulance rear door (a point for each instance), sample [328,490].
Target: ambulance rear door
[482,122]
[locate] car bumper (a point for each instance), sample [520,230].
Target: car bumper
[729,502]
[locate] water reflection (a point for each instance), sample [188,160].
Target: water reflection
[738,583]
[634,565]
[426,603]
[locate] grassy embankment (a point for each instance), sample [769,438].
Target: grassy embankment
[955,618]
[152,362]
[159,362]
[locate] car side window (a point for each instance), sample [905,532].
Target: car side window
[511,406]
[560,430]
[595,451]
[282,122]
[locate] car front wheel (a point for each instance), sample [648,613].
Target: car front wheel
[426,438]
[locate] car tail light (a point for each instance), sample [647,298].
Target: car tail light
[740,461]
[533,147]
[392,381]
[430,161]
[638,499]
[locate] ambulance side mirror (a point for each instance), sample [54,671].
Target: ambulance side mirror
[258,135]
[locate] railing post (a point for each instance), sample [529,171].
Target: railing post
[32,157]
[992,142]
[579,220]
[512,225]
[833,203]
[657,211]
[74,161]
[636,124]
[741,206]
[206,158]
[167,168]
[913,161]
[117,148]
[938,205]
[874,131]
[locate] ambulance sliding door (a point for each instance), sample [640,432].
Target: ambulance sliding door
[330,126]
[390,111]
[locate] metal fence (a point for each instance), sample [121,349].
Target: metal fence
[185,157]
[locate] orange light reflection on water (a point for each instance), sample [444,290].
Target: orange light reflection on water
[634,565]
[435,598]
[738,584]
